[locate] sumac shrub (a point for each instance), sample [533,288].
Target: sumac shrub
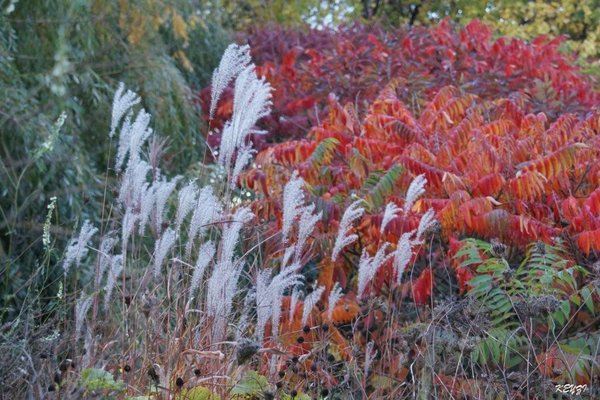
[355,62]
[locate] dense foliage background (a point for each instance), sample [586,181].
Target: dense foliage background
[495,104]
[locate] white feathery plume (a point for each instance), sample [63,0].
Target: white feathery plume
[222,284]
[163,246]
[128,226]
[334,297]
[140,132]
[244,156]
[133,136]
[391,210]
[286,278]
[251,102]
[104,258]
[306,226]
[234,60]
[309,303]
[208,209]
[415,190]
[263,304]
[81,308]
[425,223]
[221,289]
[77,248]
[293,303]
[242,324]
[287,255]
[124,139]
[186,202]
[205,255]
[134,184]
[352,213]
[122,103]
[370,355]
[147,201]
[273,366]
[231,232]
[402,254]
[116,266]
[163,191]
[293,199]
[368,267]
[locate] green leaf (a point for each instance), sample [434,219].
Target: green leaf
[384,187]
[559,317]
[323,153]
[199,393]
[491,266]
[586,293]
[495,352]
[99,379]
[575,299]
[252,385]
[566,308]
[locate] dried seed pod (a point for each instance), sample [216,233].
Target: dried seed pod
[498,248]
[152,374]
[246,348]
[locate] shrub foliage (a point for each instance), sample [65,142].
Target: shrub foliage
[356,62]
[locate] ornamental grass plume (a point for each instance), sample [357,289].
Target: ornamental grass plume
[269,297]
[205,255]
[244,155]
[368,267]
[234,60]
[293,200]
[222,284]
[81,309]
[207,210]
[77,248]
[415,190]
[334,297]
[306,226]
[132,137]
[426,222]
[164,188]
[352,213]
[116,267]
[309,302]
[269,291]
[162,248]
[391,210]
[251,102]
[122,103]
[104,255]
[402,254]
[187,201]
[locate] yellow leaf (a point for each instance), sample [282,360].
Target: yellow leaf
[180,27]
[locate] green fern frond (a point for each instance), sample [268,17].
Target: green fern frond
[323,153]
[378,186]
